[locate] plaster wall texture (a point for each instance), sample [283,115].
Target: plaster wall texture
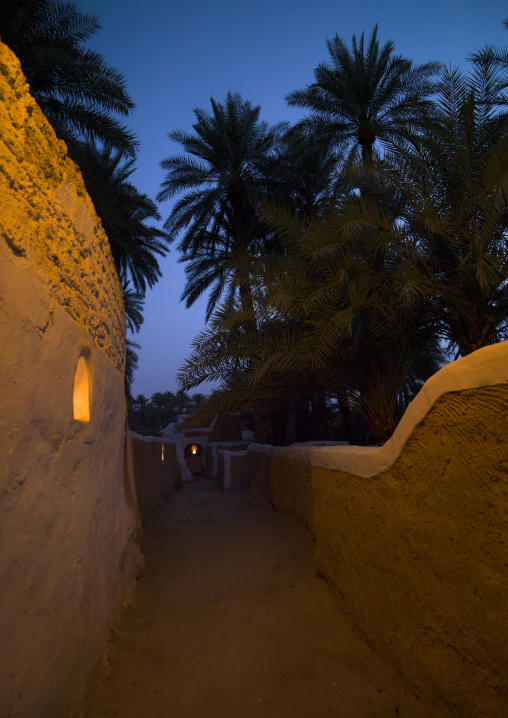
[48,219]
[67,555]
[418,553]
[291,490]
[259,458]
[154,477]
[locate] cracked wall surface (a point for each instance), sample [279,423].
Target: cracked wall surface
[67,557]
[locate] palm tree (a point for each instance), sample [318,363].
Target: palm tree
[213,266]
[224,177]
[455,179]
[124,213]
[299,174]
[131,364]
[160,409]
[76,89]
[196,400]
[335,319]
[181,401]
[496,59]
[303,173]
[80,94]
[138,410]
[133,305]
[366,95]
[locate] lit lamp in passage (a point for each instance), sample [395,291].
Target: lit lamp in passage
[194,448]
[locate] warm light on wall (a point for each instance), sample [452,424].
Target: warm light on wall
[194,448]
[163,452]
[81,398]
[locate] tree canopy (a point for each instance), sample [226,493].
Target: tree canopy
[381,256]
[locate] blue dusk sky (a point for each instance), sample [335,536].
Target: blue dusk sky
[176,55]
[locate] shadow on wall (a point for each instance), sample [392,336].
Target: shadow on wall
[414,536]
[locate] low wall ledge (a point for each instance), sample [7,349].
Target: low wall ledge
[485,367]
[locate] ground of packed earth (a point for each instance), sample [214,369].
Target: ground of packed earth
[229,620]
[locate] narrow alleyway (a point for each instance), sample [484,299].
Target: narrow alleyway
[230,621]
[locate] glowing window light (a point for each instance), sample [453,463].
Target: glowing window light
[194,448]
[163,452]
[81,398]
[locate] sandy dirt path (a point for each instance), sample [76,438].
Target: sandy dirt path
[230,621]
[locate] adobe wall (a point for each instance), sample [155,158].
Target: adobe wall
[259,458]
[67,557]
[418,552]
[291,490]
[156,474]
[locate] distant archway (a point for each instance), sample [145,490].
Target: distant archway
[193,456]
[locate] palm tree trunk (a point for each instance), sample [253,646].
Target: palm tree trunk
[324,418]
[477,336]
[379,413]
[262,428]
[290,436]
[345,413]
[382,428]
[366,143]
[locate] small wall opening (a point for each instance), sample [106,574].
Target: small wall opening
[193,456]
[81,399]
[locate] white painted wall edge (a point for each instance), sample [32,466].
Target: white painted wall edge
[485,367]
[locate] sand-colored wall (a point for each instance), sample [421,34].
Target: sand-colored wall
[290,489]
[259,458]
[155,477]
[67,557]
[418,553]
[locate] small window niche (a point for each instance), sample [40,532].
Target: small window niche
[162,453]
[81,399]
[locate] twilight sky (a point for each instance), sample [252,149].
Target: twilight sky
[176,55]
